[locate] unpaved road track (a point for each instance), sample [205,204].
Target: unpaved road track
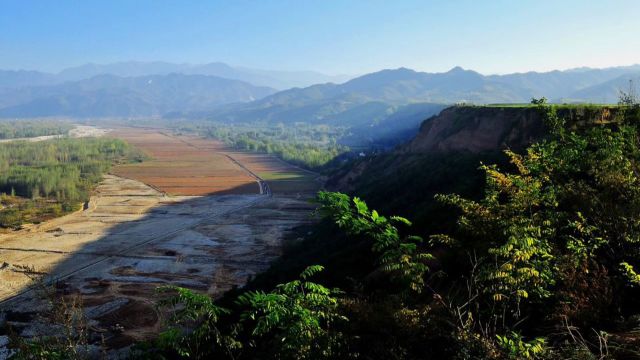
[134,238]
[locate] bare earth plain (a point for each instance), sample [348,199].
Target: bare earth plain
[196,214]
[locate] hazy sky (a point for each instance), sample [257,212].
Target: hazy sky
[351,37]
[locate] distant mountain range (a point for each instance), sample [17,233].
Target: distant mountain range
[114,96]
[375,104]
[325,102]
[10,79]
[270,78]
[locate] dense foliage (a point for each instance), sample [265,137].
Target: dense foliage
[27,129]
[556,240]
[295,320]
[48,178]
[310,146]
[399,256]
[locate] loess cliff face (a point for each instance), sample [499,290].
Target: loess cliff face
[463,131]
[477,129]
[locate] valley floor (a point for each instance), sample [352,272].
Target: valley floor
[140,232]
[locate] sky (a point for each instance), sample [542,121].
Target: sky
[330,36]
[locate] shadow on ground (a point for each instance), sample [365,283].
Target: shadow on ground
[116,253]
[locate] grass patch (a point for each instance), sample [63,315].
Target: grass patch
[285,176]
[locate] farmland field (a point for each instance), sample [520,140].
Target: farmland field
[182,165]
[178,167]
[282,177]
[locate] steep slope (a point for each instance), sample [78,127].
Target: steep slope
[477,129]
[445,155]
[465,131]
[109,95]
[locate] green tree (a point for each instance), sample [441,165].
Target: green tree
[570,205]
[61,170]
[297,319]
[198,312]
[399,256]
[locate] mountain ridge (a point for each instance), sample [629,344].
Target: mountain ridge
[260,77]
[109,95]
[364,103]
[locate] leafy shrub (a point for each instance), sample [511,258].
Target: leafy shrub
[193,331]
[516,348]
[297,318]
[398,256]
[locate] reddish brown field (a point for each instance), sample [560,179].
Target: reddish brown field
[184,166]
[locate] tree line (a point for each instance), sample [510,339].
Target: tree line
[309,146]
[27,128]
[54,176]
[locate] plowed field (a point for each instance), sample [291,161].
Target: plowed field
[178,167]
[183,165]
